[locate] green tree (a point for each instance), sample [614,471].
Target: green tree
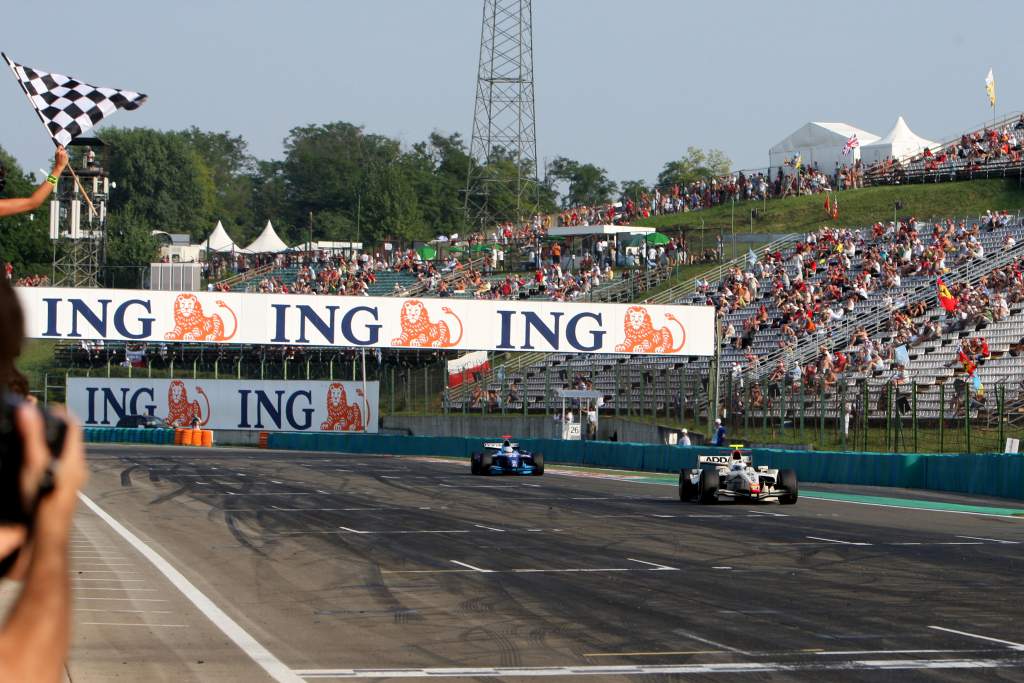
[696,164]
[131,247]
[231,168]
[632,189]
[24,239]
[162,181]
[588,184]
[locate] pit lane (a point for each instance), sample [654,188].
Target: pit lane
[389,568]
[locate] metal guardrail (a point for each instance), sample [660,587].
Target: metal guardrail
[246,276]
[422,287]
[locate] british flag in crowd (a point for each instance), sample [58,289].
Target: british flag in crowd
[851,143]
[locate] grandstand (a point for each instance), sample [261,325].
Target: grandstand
[679,387]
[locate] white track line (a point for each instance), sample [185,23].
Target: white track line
[908,507]
[993,540]
[712,643]
[476,569]
[834,540]
[489,528]
[655,670]
[1013,645]
[274,667]
[657,567]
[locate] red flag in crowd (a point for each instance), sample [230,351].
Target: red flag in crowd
[969,365]
[828,205]
[946,298]
[835,208]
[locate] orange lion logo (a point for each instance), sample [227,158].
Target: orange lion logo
[418,331]
[342,416]
[642,337]
[180,411]
[191,325]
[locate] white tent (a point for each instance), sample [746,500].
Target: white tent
[819,145]
[900,143]
[220,241]
[268,242]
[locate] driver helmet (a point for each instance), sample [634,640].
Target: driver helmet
[507,449]
[736,455]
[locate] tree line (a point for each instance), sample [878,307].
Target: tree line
[336,181]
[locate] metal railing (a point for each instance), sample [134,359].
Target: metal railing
[246,276]
[876,318]
[422,287]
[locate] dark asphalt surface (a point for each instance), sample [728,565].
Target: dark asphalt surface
[338,562]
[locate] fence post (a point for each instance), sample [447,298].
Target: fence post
[307,369]
[1002,409]
[426,387]
[149,368]
[866,412]
[286,369]
[803,406]
[172,367]
[889,441]
[841,416]
[821,417]
[216,368]
[914,388]
[263,367]
[967,414]
[942,417]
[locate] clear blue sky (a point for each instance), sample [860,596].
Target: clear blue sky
[625,84]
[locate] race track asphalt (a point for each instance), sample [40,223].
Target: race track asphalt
[337,567]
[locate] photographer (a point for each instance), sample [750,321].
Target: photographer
[10,207]
[40,476]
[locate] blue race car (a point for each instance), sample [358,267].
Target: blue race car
[505,457]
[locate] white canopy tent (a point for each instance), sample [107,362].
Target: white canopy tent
[588,230]
[268,242]
[900,143]
[220,241]
[820,145]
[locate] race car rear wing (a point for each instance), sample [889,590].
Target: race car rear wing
[720,460]
[500,444]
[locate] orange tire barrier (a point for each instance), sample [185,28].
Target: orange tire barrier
[179,436]
[207,437]
[186,437]
[263,439]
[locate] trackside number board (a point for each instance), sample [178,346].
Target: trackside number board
[367,322]
[290,406]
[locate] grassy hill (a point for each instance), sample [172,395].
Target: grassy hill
[856,207]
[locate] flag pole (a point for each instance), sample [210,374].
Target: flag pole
[78,183]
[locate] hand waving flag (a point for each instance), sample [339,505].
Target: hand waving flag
[68,107]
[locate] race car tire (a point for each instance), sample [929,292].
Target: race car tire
[708,487]
[686,487]
[486,460]
[788,481]
[474,463]
[538,464]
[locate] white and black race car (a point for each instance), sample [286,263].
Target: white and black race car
[734,476]
[505,457]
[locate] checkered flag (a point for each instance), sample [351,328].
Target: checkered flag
[68,107]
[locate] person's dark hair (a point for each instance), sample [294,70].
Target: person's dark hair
[12,330]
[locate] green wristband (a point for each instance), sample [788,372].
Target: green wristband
[52,179]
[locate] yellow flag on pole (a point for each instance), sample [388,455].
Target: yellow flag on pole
[990,88]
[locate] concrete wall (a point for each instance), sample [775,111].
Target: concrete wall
[521,427]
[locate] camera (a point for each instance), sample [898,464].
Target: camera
[13,509]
